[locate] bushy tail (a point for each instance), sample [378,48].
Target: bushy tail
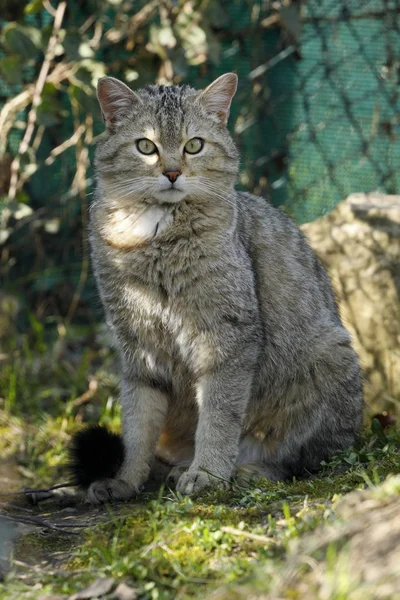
[95,453]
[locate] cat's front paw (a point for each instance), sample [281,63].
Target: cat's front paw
[175,474]
[110,490]
[192,482]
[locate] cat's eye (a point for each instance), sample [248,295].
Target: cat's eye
[194,146]
[146,146]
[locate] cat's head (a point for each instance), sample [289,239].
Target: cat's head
[163,144]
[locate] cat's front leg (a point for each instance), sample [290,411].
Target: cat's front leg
[143,414]
[222,400]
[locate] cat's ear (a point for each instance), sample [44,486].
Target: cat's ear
[217,97]
[116,100]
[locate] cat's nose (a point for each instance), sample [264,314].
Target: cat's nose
[172,175]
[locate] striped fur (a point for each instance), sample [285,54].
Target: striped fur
[232,349]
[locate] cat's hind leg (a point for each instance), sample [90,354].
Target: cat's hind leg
[322,417]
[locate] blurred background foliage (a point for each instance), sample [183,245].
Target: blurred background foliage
[316,117]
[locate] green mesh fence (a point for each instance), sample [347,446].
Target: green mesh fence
[329,123]
[316,118]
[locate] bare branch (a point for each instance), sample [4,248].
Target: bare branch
[31,520]
[32,117]
[28,491]
[125,30]
[49,8]
[88,395]
[67,144]
[6,114]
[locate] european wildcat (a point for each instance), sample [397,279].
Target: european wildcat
[232,349]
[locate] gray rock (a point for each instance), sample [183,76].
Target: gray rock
[359,243]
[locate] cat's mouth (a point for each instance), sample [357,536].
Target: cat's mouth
[171,194]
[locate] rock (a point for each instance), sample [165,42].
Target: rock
[355,555]
[8,534]
[100,587]
[124,592]
[359,243]
[366,537]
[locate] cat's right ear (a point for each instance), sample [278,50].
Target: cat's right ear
[116,100]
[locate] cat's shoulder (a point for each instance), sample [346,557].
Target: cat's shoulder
[259,209]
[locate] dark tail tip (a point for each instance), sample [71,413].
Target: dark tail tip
[95,453]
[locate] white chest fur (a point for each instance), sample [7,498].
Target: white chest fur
[126,229]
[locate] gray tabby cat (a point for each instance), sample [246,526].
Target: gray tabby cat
[232,349]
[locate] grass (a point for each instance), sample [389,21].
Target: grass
[226,543]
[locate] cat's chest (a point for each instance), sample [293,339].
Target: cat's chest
[170,272]
[126,230]
[163,286]
[169,260]
[180,266]
[151,223]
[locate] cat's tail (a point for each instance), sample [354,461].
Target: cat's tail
[95,453]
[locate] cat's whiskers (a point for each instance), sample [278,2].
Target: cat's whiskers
[205,185]
[138,191]
[127,182]
[132,184]
[131,192]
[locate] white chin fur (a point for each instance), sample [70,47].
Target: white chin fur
[170,195]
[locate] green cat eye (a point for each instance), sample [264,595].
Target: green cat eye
[146,146]
[194,146]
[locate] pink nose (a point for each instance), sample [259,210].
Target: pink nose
[172,175]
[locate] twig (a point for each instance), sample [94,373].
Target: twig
[86,396]
[88,23]
[15,165]
[116,35]
[25,520]
[271,20]
[49,8]
[260,70]
[32,491]
[97,36]
[82,163]
[65,145]
[60,72]
[73,193]
[38,138]
[6,505]
[11,107]
[57,486]
[252,536]
[38,520]
[36,497]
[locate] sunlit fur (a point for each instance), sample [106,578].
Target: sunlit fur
[232,350]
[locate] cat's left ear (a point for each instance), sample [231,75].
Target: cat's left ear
[217,97]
